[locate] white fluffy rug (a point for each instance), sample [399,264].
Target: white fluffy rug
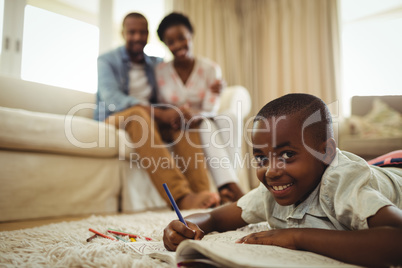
[64,244]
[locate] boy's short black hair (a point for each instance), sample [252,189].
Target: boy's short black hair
[304,106]
[134,15]
[173,19]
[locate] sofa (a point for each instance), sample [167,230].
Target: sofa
[374,127]
[57,161]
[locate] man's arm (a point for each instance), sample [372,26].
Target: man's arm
[379,246]
[224,218]
[109,88]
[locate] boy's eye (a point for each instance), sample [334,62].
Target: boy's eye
[261,160]
[287,155]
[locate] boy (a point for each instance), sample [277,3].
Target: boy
[314,196]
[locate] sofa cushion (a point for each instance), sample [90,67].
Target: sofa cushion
[375,133]
[43,132]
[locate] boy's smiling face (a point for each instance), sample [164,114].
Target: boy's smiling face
[285,166]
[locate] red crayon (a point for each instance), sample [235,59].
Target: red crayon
[129,235]
[103,235]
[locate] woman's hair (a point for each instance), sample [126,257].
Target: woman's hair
[173,19]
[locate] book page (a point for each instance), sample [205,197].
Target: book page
[145,248]
[229,236]
[230,254]
[154,250]
[158,251]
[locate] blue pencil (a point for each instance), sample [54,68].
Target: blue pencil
[175,207]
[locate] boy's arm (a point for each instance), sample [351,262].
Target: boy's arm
[221,219]
[378,246]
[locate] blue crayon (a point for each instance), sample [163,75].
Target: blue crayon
[175,207]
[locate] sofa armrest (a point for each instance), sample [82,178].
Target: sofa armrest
[53,133]
[235,100]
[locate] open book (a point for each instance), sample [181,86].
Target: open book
[221,253]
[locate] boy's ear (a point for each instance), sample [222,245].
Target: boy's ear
[329,149]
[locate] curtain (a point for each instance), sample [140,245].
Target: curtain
[271,47]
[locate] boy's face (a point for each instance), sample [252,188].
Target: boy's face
[285,166]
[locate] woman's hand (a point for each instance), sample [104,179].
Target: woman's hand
[176,232]
[285,238]
[217,86]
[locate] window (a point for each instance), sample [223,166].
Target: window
[58,42]
[59,50]
[371,48]
[1,24]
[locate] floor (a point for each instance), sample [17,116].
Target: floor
[23,224]
[17,225]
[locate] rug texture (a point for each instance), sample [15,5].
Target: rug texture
[64,244]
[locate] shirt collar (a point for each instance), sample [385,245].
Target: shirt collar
[309,206]
[126,57]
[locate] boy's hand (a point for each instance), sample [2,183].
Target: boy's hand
[281,237]
[176,232]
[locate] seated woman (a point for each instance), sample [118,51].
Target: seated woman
[193,85]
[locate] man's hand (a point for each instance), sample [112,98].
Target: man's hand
[171,117]
[176,232]
[191,118]
[178,117]
[281,237]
